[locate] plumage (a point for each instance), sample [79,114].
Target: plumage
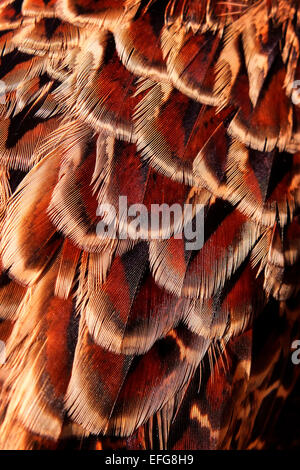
[131,338]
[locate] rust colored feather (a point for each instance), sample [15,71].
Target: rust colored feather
[119,332]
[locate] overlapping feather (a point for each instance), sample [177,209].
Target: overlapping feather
[161,102]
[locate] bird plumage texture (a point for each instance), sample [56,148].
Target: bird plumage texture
[141,343]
